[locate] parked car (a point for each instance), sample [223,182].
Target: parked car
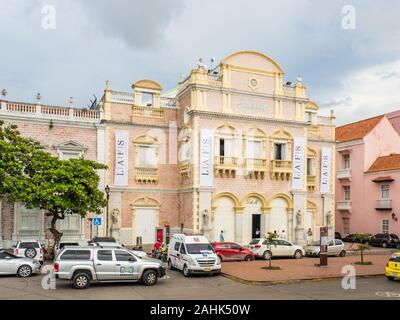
[103,240]
[231,251]
[281,248]
[392,271]
[21,266]
[385,240]
[338,236]
[351,238]
[192,254]
[111,242]
[62,245]
[29,249]
[335,248]
[84,265]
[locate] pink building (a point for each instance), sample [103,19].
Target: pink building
[368,176]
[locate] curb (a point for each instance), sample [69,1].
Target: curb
[290,281]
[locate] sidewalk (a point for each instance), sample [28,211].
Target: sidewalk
[302,269]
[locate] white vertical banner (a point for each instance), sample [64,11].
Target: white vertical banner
[299,145]
[206,157]
[326,168]
[121,157]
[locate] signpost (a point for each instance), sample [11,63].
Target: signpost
[323,252]
[97,221]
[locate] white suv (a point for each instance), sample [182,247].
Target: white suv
[29,249]
[279,248]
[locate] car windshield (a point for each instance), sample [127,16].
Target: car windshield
[315,243]
[25,245]
[395,259]
[199,248]
[67,244]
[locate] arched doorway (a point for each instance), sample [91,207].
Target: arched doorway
[224,218]
[145,219]
[253,223]
[278,220]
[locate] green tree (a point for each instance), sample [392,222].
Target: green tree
[362,244]
[31,175]
[271,240]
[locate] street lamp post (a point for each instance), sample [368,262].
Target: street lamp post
[107,189]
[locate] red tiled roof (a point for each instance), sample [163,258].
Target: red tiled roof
[390,162]
[356,130]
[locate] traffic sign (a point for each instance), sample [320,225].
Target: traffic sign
[97,221]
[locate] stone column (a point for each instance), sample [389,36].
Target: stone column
[290,226]
[239,225]
[299,208]
[329,214]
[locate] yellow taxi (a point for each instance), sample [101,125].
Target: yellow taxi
[392,271]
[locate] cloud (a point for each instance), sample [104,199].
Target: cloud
[367,92]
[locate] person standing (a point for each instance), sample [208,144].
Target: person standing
[258,232]
[309,236]
[221,236]
[156,248]
[282,235]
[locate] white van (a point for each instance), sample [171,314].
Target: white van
[192,254]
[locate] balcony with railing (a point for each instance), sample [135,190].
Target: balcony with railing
[146,175]
[383,204]
[343,174]
[281,169]
[344,205]
[147,111]
[311,182]
[225,166]
[256,168]
[49,112]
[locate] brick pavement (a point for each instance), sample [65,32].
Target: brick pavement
[302,269]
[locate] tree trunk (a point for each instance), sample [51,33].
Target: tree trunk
[56,234]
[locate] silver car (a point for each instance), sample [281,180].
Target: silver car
[83,265]
[335,248]
[23,267]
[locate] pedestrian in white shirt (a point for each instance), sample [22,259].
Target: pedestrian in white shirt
[282,235]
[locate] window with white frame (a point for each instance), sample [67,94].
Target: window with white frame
[226,147]
[385,226]
[70,225]
[309,116]
[346,193]
[254,149]
[147,156]
[385,191]
[280,151]
[346,161]
[346,225]
[29,221]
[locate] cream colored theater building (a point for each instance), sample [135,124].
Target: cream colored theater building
[232,149]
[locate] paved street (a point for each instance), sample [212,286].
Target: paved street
[200,287]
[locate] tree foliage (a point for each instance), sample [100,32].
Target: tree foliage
[33,176]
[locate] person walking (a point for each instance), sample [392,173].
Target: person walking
[282,236]
[221,236]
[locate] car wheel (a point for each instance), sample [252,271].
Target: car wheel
[30,253]
[384,245]
[267,255]
[298,254]
[149,278]
[342,253]
[186,271]
[81,281]
[170,266]
[247,258]
[24,271]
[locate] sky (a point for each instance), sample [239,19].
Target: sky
[349,59]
